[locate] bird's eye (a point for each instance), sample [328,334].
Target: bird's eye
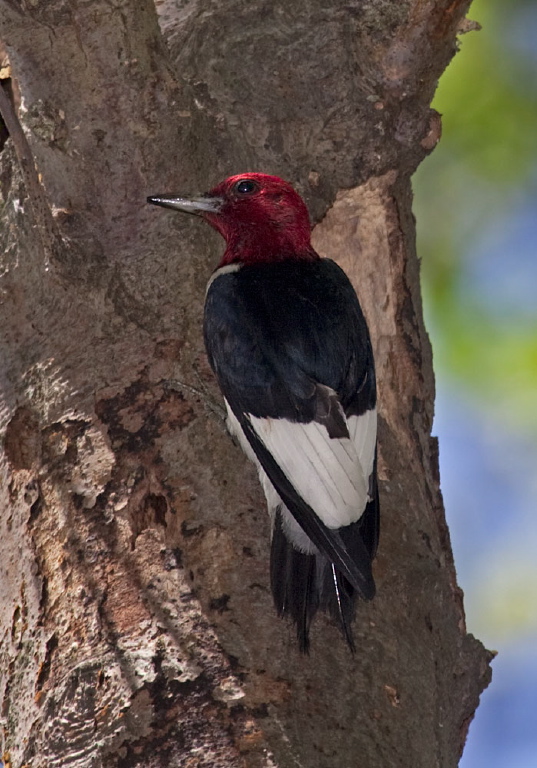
[245,187]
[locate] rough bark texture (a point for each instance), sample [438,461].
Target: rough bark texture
[136,625]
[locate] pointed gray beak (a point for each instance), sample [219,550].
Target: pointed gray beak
[196,205]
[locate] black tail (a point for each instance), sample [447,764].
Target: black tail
[338,597]
[293,581]
[303,583]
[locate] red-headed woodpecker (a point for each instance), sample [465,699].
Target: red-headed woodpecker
[290,348]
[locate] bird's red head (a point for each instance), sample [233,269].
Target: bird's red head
[261,218]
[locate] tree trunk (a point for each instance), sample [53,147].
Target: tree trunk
[136,620]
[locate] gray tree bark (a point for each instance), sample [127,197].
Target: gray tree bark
[136,625]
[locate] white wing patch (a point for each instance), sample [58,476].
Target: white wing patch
[330,474]
[325,472]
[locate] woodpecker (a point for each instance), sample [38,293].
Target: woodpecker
[290,348]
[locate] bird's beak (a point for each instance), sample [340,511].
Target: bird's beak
[197,205]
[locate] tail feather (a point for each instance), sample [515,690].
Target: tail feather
[293,582]
[339,599]
[302,583]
